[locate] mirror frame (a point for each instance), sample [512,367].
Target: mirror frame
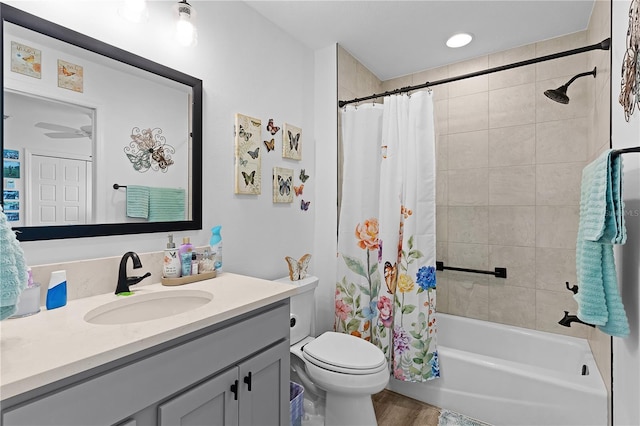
[35,233]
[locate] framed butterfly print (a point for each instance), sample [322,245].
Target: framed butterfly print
[291,142]
[282,185]
[26,60]
[248,153]
[70,76]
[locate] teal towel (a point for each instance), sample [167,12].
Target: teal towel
[138,201]
[166,204]
[13,269]
[601,225]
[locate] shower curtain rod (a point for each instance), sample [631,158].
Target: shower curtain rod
[603,45]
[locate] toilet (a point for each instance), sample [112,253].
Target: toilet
[339,372]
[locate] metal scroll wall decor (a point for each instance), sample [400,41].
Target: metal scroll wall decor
[630,86]
[148,150]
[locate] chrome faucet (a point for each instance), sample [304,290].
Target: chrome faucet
[123,281]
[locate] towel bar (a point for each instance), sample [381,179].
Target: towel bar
[497,272]
[116,186]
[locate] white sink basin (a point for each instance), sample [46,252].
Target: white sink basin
[147,306]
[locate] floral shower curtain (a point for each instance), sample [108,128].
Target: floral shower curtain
[386,284]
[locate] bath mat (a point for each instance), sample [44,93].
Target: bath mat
[450,418]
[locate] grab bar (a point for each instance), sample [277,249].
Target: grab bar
[497,272]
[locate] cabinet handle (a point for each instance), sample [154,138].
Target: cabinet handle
[234,389]
[247,380]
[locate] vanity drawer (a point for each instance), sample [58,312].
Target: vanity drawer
[110,397]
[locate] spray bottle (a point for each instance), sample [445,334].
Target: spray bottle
[216,247]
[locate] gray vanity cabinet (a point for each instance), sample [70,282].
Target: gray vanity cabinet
[248,394]
[186,381]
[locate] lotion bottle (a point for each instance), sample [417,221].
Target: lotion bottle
[216,247]
[57,292]
[171,264]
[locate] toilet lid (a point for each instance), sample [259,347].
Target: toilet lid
[345,354]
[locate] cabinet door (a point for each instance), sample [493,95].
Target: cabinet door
[264,384]
[210,403]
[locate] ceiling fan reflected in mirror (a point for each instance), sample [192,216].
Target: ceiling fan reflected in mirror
[65,132]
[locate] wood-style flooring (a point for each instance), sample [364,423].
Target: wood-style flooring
[393,409]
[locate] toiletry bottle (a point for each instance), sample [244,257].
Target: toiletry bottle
[216,247]
[57,292]
[171,265]
[186,263]
[194,263]
[185,247]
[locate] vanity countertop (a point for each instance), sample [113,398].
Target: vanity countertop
[51,345]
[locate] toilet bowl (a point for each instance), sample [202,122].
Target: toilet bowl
[341,370]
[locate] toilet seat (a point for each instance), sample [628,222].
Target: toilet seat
[343,353]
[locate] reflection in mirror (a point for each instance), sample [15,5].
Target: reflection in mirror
[102,142]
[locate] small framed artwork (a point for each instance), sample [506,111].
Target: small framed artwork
[282,185]
[12,216]
[12,205]
[291,142]
[11,154]
[70,76]
[248,138]
[26,60]
[9,184]
[11,169]
[10,195]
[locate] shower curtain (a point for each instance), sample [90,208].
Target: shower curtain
[386,284]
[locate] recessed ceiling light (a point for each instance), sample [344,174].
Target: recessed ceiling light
[459,40]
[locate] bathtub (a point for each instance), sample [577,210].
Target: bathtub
[506,375]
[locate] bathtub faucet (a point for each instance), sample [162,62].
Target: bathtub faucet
[568,319]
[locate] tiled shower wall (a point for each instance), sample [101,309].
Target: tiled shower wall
[509,162]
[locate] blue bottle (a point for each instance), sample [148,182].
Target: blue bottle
[216,247]
[57,292]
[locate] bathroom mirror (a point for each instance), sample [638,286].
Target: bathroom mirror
[96,141]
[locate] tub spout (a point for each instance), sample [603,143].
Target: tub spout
[568,319]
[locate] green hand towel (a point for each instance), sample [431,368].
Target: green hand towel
[138,201]
[166,204]
[601,225]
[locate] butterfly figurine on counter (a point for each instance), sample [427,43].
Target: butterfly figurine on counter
[304,205]
[298,268]
[270,144]
[303,176]
[271,128]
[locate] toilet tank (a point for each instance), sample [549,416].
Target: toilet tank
[303,307]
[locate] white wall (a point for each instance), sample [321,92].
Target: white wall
[248,66]
[626,352]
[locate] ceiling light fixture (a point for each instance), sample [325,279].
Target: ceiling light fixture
[459,40]
[134,10]
[186,32]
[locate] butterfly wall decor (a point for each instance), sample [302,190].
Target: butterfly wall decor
[282,185]
[148,150]
[270,144]
[298,268]
[298,189]
[303,176]
[304,205]
[271,128]
[292,142]
[248,166]
[70,76]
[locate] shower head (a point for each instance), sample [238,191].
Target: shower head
[560,94]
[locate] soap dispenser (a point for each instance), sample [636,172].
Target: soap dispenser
[171,264]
